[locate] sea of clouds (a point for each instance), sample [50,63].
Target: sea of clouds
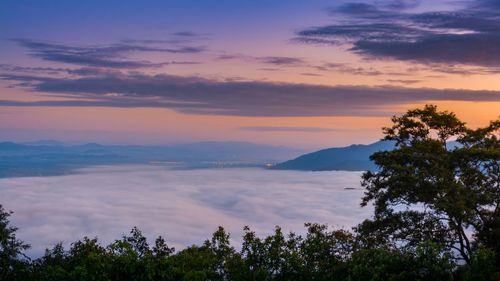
[185,206]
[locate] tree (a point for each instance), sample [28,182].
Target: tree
[481,268]
[426,262]
[326,252]
[12,258]
[52,266]
[87,260]
[432,189]
[222,253]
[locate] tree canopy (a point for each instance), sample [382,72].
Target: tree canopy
[440,183]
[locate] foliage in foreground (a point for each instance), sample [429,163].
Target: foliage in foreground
[321,254]
[428,197]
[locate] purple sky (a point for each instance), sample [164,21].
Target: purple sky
[299,73]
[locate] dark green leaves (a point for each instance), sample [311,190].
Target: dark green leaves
[450,190]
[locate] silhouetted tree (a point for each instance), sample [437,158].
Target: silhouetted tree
[428,189]
[12,258]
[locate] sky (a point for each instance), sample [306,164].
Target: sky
[306,74]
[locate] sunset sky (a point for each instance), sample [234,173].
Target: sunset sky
[306,74]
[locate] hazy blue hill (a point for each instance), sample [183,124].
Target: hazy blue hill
[351,158]
[10,146]
[45,143]
[46,158]
[234,151]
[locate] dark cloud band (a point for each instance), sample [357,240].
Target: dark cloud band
[239,98]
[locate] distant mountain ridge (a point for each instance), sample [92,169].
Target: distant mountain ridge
[46,158]
[355,157]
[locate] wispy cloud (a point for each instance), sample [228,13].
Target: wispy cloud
[111,56]
[400,4]
[289,129]
[36,69]
[283,61]
[176,38]
[185,34]
[345,68]
[404,81]
[468,35]
[311,74]
[271,60]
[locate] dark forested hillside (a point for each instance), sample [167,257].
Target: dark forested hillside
[351,158]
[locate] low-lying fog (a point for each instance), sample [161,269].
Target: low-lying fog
[185,206]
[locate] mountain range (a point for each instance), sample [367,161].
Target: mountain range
[355,157]
[47,158]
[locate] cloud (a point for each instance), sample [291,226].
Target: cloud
[311,74]
[110,56]
[279,62]
[466,36]
[272,60]
[289,61]
[94,71]
[452,69]
[344,68]
[194,95]
[288,129]
[27,69]
[185,206]
[365,9]
[399,4]
[359,9]
[185,34]
[176,38]
[99,71]
[404,81]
